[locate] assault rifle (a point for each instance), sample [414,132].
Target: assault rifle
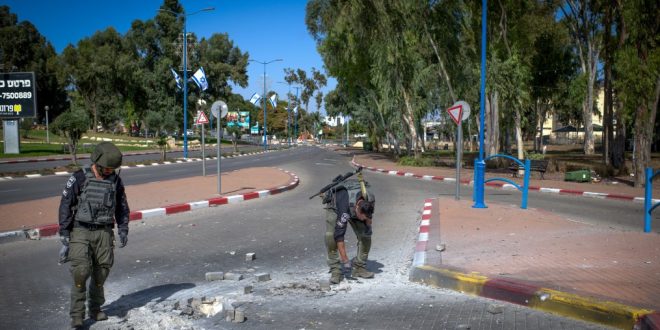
[339,179]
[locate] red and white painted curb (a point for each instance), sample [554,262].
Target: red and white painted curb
[509,186]
[422,239]
[50,230]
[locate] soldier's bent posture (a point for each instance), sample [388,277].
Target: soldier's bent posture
[345,205]
[92,201]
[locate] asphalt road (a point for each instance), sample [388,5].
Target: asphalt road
[166,259]
[23,189]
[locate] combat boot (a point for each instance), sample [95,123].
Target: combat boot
[362,272]
[336,277]
[98,315]
[76,322]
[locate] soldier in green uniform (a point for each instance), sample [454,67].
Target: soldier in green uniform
[348,203]
[92,202]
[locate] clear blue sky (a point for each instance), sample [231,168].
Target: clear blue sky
[265,29]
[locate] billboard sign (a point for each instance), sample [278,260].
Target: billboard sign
[18,96]
[238,118]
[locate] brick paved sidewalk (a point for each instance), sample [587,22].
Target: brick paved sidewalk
[588,272]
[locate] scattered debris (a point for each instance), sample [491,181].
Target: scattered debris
[233,277]
[250,256]
[495,309]
[215,276]
[262,277]
[247,289]
[440,247]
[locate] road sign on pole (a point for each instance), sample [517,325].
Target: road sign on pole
[456,113]
[201,118]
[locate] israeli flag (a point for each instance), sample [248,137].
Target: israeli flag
[295,110]
[176,78]
[273,100]
[255,98]
[200,79]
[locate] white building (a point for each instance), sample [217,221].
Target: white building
[334,121]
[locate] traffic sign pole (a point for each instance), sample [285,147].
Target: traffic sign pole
[456,114]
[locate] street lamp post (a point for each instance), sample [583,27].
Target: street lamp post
[263,98]
[288,114]
[47,135]
[295,114]
[185,73]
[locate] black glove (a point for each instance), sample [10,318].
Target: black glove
[346,269]
[123,239]
[65,237]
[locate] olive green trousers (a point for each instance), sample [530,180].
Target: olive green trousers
[363,234]
[92,254]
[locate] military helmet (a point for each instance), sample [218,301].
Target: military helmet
[107,154]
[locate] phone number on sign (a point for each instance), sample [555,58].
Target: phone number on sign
[16,95]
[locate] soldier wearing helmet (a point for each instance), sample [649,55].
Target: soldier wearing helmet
[92,202]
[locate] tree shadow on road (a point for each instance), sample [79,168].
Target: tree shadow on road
[125,303]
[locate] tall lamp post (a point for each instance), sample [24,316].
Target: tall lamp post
[263,98]
[288,115]
[47,135]
[295,114]
[185,73]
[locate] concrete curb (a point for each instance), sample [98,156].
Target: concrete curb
[179,161]
[509,186]
[51,230]
[521,292]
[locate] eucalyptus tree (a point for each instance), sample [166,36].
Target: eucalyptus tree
[320,81]
[637,67]
[584,21]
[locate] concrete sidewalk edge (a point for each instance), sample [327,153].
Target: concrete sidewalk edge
[521,292]
[508,186]
[51,230]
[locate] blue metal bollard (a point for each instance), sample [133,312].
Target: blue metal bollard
[479,175]
[525,190]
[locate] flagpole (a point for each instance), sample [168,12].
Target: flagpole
[264,99]
[185,73]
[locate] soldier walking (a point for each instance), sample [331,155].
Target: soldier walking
[92,202]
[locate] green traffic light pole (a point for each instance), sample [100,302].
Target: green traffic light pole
[185,73]
[263,98]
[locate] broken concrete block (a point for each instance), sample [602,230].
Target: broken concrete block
[239,316]
[208,300]
[262,277]
[250,256]
[233,277]
[215,276]
[325,285]
[229,313]
[495,309]
[247,289]
[195,303]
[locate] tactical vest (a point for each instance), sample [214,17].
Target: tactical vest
[354,190]
[96,203]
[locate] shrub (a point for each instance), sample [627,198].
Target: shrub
[412,161]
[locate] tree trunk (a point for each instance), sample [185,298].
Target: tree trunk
[409,118]
[587,114]
[519,137]
[645,122]
[608,136]
[492,123]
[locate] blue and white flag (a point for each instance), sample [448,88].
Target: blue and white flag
[273,100]
[200,79]
[295,110]
[255,98]
[177,78]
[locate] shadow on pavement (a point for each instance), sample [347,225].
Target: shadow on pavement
[121,306]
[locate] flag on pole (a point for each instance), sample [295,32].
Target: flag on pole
[295,110]
[273,100]
[255,98]
[200,79]
[177,78]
